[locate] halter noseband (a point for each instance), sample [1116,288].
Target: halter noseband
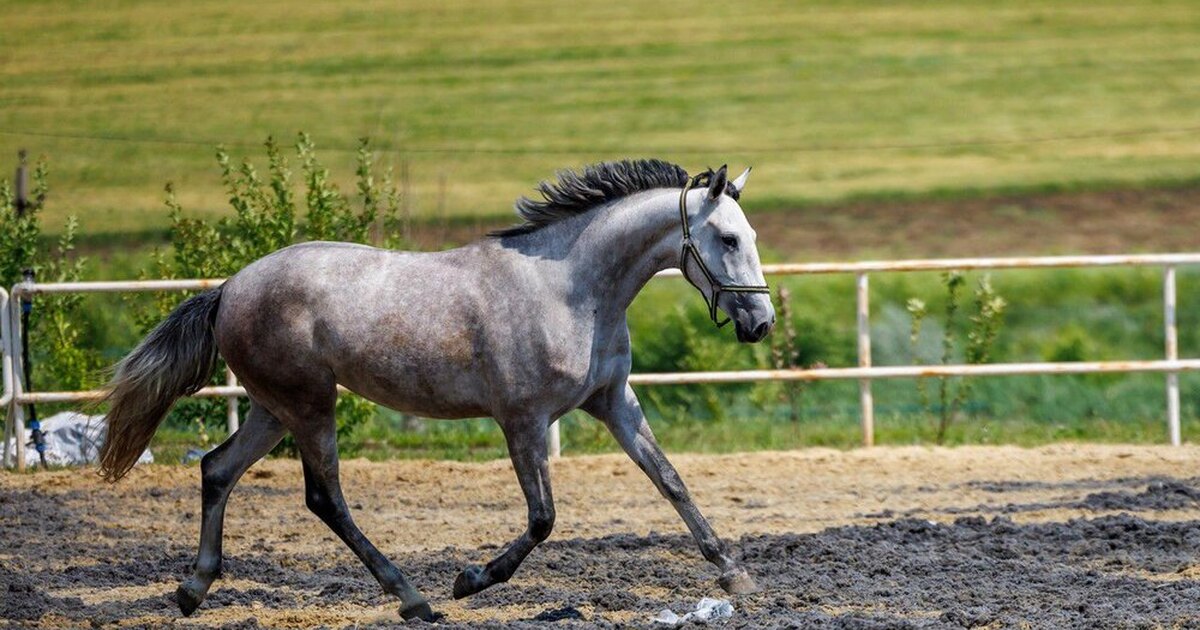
[689,248]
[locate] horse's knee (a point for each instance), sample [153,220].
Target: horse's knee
[541,523]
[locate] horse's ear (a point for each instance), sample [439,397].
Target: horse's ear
[716,184]
[739,184]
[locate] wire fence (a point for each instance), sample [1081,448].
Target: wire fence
[775,149]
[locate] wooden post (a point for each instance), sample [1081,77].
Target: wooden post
[406,202]
[21,184]
[441,210]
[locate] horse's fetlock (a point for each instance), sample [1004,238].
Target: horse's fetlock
[472,580]
[406,594]
[674,490]
[208,569]
[714,551]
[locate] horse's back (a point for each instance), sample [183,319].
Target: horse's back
[311,289]
[325,274]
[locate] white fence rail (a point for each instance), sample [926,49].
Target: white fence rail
[16,399]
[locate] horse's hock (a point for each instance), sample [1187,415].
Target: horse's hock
[890,534]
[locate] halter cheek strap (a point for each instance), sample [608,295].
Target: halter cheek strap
[689,249]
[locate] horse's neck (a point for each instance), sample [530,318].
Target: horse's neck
[619,249]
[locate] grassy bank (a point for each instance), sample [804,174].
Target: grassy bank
[386,437]
[477,102]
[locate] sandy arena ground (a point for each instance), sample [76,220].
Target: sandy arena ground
[1060,536]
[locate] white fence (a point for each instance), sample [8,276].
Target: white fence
[16,399]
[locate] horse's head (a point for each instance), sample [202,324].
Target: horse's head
[723,260]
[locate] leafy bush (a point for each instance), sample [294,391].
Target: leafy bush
[60,361]
[984,326]
[266,218]
[786,353]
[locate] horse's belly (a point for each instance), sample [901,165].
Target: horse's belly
[449,362]
[426,406]
[432,387]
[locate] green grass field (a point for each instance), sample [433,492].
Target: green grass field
[473,103]
[480,100]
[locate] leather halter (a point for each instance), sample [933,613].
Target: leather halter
[689,248]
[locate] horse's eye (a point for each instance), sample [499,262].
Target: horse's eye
[729,240]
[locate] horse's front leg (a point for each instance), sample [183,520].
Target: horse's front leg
[527,447]
[620,411]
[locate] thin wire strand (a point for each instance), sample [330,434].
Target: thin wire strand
[815,148]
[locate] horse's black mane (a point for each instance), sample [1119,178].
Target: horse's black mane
[577,192]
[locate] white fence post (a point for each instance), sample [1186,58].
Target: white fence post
[864,359]
[6,372]
[1171,338]
[232,421]
[554,439]
[16,411]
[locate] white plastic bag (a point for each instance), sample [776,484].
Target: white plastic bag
[707,609]
[72,439]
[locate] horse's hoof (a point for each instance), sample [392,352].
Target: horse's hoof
[188,596]
[419,610]
[470,581]
[737,582]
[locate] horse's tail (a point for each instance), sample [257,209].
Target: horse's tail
[177,358]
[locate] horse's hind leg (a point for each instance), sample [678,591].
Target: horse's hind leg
[527,448]
[220,471]
[323,495]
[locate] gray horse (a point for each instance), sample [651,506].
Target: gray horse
[522,326]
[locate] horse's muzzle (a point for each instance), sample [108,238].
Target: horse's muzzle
[755,332]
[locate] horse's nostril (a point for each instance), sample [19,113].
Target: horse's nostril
[762,329]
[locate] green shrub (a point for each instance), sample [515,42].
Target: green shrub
[980,337]
[59,360]
[1071,343]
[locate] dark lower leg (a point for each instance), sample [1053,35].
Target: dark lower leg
[220,471]
[528,452]
[641,446]
[323,494]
